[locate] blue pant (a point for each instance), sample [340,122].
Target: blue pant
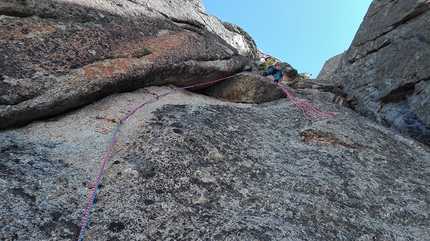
[276,72]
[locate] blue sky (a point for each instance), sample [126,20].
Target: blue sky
[303,33]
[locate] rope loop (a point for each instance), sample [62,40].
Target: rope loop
[309,111]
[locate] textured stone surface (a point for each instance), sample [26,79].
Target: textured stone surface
[188,166]
[59,55]
[246,88]
[387,69]
[330,67]
[185,166]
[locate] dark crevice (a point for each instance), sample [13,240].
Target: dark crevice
[381,47]
[416,13]
[192,26]
[15,14]
[418,92]
[384,45]
[399,94]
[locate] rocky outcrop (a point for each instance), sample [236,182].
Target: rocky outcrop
[183,165]
[386,67]
[328,92]
[241,40]
[191,14]
[246,88]
[330,67]
[188,166]
[59,55]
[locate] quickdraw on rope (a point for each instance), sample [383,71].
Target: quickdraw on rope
[119,123]
[306,108]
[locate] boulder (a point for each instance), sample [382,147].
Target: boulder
[386,67]
[246,88]
[59,55]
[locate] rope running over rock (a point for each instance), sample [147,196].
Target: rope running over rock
[309,111]
[305,107]
[120,122]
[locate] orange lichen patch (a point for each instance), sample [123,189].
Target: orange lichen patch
[319,136]
[107,68]
[311,135]
[162,44]
[102,130]
[324,139]
[103,108]
[25,30]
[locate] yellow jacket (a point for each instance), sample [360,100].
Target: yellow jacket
[270,62]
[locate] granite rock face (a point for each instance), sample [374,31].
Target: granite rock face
[188,166]
[243,164]
[246,88]
[59,55]
[330,67]
[387,69]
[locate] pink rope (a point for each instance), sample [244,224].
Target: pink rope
[96,184]
[309,111]
[305,108]
[122,120]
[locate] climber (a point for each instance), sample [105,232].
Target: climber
[273,67]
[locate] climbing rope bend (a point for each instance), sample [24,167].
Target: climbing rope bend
[305,107]
[113,139]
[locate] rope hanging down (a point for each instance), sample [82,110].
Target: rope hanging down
[305,107]
[309,111]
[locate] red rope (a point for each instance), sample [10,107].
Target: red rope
[305,107]
[120,122]
[309,111]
